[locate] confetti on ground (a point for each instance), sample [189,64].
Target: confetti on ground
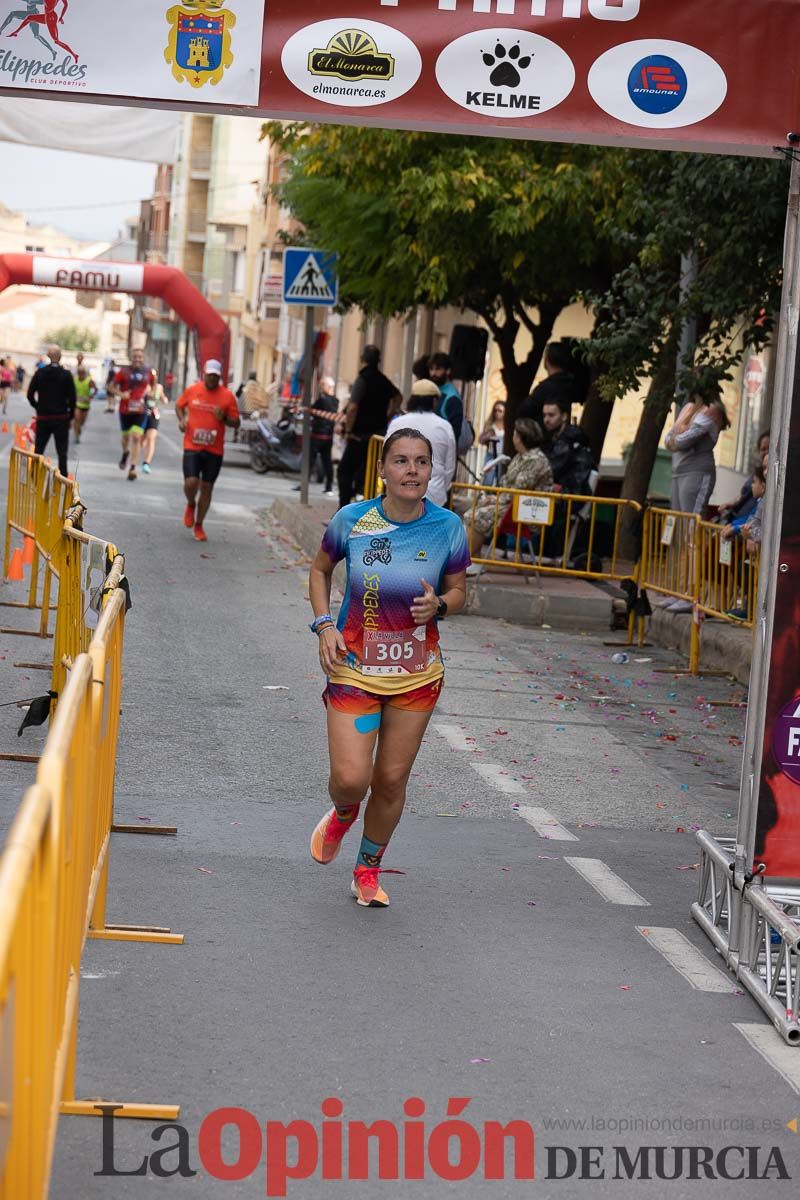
[205,870]
[480,1060]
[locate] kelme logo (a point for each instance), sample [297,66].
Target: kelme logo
[351,54]
[505,72]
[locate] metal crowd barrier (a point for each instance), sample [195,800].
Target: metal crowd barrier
[689,559]
[54,867]
[548,532]
[728,575]
[53,880]
[38,501]
[372,484]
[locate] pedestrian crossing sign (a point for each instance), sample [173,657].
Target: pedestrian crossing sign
[310,277]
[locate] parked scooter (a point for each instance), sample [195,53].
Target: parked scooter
[278,445]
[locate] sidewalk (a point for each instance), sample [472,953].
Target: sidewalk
[555,601]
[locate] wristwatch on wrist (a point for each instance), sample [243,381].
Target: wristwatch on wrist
[441,611]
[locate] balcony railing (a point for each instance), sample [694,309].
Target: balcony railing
[197,222]
[200,161]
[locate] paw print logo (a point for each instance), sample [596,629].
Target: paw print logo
[506,65]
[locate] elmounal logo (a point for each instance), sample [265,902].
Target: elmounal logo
[657,84]
[351,54]
[505,72]
[351,63]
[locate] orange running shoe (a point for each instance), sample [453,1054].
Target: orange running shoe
[326,840]
[366,889]
[200,534]
[188,516]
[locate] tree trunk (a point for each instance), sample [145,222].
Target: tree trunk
[518,376]
[595,419]
[643,452]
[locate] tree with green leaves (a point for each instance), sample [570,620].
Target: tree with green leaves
[728,213]
[509,229]
[73,337]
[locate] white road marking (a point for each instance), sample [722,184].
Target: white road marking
[154,516]
[772,1048]
[546,824]
[493,774]
[687,960]
[455,737]
[603,880]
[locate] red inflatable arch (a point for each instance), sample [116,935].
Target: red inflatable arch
[139,279]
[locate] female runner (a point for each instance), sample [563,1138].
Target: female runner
[406,562]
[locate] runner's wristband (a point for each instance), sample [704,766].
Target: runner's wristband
[318,622]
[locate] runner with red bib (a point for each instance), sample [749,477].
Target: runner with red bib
[406,563]
[204,411]
[131,384]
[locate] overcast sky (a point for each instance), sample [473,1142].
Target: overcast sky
[81,194]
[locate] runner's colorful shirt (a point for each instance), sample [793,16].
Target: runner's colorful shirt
[133,380]
[204,431]
[386,562]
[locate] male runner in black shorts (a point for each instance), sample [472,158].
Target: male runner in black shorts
[204,410]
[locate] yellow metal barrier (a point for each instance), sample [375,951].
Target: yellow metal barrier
[728,575]
[29,1024]
[38,500]
[551,532]
[372,484]
[689,559]
[81,563]
[53,875]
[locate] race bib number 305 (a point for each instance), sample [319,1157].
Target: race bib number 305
[398,652]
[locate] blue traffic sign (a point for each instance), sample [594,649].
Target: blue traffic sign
[310,277]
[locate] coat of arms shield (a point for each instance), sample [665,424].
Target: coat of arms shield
[199,46]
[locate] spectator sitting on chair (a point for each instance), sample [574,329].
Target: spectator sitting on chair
[742,507]
[528,471]
[568,450]
[749,526]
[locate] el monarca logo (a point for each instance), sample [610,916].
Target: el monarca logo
[351,54]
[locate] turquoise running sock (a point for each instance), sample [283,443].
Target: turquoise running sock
[369,853]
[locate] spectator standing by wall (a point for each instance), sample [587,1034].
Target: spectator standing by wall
[373,400]
[692,440]
[419,415]
[491,436]
[451,406]
[322,430]
[557,389]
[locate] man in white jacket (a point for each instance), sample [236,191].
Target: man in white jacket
[419,415]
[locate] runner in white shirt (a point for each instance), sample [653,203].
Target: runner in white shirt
[419,415]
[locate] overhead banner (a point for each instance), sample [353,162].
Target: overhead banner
[667,73]
[674,74]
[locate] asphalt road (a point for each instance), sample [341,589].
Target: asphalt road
[535,975]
